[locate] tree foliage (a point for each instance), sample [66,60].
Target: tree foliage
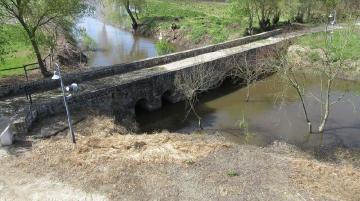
[2,41]
[268,12]
[40,16]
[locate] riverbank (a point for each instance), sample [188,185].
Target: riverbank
[191,25]
[308,52]
[185,24]
[109,164]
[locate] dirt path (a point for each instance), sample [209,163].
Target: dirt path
[16,186]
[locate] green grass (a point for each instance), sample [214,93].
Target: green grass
[20,51]
[344,42]
[200,20]
[163,47]
[232,174]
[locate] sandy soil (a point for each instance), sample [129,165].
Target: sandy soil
[105,165]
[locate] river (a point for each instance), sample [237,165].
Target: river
[114,45]
[273,113]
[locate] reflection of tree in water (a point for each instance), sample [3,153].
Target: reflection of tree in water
[127,52]
[136,50]
[120,51]
[104,43]
[115,12]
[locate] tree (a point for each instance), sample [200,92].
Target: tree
[194,81]
[35,15]
[268,12]
[331,63]
[132,7]
[247,8]
[249,69]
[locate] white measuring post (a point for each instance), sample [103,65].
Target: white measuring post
[7,137]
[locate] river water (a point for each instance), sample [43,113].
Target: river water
[273,113]
[114,45]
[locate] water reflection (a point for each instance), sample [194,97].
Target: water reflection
[114,45]
[274,113]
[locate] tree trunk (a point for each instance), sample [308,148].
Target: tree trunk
[327,108]
[299,16]
[298,91]
[31,35]
[41,63]
[135,24]
[251,20]
[197,116]
[248,92]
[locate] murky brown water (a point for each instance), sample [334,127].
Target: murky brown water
[273,113]
[114,45]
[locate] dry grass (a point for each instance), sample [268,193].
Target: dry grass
[329,180]
[103,154]
[100,137]
[108,161]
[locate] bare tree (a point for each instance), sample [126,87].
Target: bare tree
[193,81]
[331,64]
[288,73]
[249,69]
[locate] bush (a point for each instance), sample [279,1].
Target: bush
[164,47]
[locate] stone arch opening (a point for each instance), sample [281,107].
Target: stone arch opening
[141,106]
[166,98]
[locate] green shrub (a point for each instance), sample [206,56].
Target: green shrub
[232,174]
[164,47]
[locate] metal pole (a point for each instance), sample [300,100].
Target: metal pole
[26,75]
[66,105]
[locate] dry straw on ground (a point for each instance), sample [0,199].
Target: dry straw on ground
[108,162]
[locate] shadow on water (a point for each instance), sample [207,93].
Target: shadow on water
[273,113]
[173,117]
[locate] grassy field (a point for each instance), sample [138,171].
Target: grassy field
[348,39]
[199,20]
[20,50]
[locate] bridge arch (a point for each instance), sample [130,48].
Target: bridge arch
[166,97]
[141,105]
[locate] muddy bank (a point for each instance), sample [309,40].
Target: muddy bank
[169,166]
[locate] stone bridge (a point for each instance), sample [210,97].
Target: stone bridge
[118,89]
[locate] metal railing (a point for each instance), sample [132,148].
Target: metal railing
[28,68]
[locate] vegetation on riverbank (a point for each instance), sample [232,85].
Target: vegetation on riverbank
[185,23]
[164,47]
[190,24]
[201,21]
[18,50]
[352,49]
